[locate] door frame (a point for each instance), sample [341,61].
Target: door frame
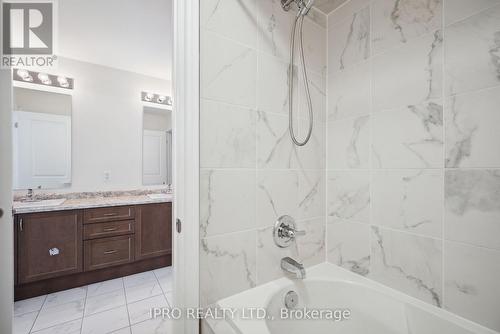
[185,116]
[6,220]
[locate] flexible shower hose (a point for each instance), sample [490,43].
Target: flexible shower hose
[300,19]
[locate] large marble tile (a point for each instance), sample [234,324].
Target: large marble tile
[340,13]
[473,129]
[228,71]
[29,305]
[275,28]
[153,326]
[409,75]
[308,249]
[275,149]
[472,52]
[59,314]
[141,310]
[227,256]
[233,19]
[22,324]
[411,137]
[227,136]
[349,92]
[139,279]
[349,40]
[456,10]
[471,283]
[71,327]
[348,143]
[227,201]
[317,89]
[104,287]
[311,155]
[473,207]
[396,22]
[349,246]
[409,263]
[349,196]
[166,278]
[65,296]
[312,192]
[273,88]
[106,322]
[410,200]
[277,195]
[105,302]
[143,291]
[315,45]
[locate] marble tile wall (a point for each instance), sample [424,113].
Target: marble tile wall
[413,149]
[250,172]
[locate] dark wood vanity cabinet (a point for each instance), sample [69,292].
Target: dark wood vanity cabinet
[64,249]
[49,245]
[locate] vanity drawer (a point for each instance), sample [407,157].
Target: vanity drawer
[109,229]
[112,213]
[103,253]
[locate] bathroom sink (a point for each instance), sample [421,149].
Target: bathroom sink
[43,203]
[160,196]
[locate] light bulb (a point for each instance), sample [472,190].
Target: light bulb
[23,74]
[44,78]
[63,81]
[148,97]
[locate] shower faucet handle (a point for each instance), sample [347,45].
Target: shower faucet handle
[285,231]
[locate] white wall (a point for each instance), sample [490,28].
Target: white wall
[6,225]
[107,125]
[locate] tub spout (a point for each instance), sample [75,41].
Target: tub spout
[291,266]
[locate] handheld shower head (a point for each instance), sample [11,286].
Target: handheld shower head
[307,7]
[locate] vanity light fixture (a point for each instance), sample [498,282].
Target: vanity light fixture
[156,98]
[41,78]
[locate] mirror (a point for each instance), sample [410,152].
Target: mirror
[156,146]
[42,139]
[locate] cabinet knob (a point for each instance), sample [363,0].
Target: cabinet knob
[1,213]
[54,251]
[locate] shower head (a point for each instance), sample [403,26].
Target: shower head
[306,8]
[303,6]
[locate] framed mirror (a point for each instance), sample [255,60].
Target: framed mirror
[156,146]
[42,139]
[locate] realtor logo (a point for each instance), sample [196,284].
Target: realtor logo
[28,33]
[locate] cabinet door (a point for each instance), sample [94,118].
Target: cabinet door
[49,245]
[153,230]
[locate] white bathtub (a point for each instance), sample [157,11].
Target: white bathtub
[374,308]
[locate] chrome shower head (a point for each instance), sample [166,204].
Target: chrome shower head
[306,7]
[303,6]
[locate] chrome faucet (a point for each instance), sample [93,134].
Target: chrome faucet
[291,266]
[29,195]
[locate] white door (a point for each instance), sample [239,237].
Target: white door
[154,157]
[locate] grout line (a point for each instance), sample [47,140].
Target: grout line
[126,302]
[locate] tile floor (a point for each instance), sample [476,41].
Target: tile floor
[119,306]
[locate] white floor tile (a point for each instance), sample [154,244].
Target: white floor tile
[153,326]
[139,279]
[29,305]
[141,310]
[143,291]
[105,302]
[170,298]
[23,323]
[59,314]
[164,272]
[72,327]
[66,296]
[104,287]
[106,322]
[125,330]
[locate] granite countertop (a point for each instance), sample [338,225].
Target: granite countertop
[85,203]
